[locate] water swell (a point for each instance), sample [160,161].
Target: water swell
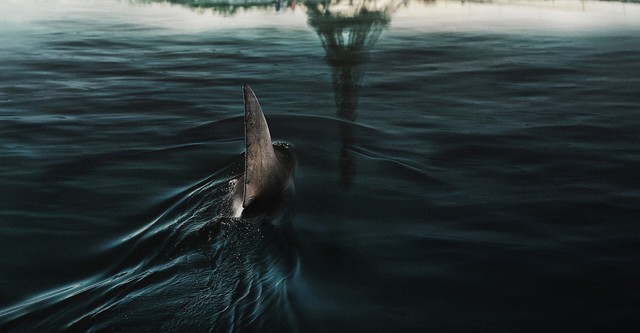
[190,269]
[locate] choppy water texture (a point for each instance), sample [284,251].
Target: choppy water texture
[463,167]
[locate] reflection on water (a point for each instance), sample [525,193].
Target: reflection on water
[224,7]
[497,170]
[348,30]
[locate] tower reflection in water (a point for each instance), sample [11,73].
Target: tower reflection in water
[348,30]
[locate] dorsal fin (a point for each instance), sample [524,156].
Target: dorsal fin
[260,159]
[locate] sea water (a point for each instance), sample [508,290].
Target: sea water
[463,166]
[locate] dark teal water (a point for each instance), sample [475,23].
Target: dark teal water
[463,167]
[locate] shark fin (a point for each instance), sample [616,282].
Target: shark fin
[260,158]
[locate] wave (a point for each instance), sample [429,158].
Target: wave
[192,268]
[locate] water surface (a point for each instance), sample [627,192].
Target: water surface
[462,166]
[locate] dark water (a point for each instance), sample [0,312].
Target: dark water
[463,167]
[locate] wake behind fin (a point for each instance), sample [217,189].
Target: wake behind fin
[260,158]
